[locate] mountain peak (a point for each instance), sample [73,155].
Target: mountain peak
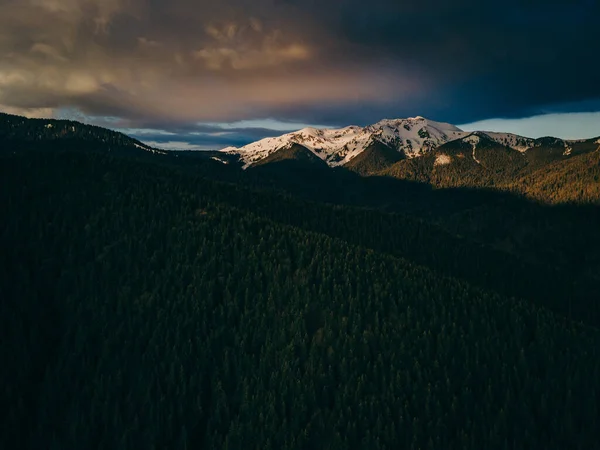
[418,121]
[410,137]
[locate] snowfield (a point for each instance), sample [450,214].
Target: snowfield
[474,140]
[151,150]
[412,137]
[442,160]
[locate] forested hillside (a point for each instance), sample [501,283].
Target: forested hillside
[575,180]
[20,133]
[547,169]
[547,172]
[146,308]
[152,300]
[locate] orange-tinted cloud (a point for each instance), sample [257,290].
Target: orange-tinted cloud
[143,57]
[309,60]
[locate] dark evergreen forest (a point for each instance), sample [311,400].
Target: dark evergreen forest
[152,301]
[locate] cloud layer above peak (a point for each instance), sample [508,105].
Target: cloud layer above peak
[187,61]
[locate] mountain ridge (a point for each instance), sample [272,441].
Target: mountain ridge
[411,138]
[23,132]
[546,169]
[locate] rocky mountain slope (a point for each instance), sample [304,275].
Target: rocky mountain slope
[410,138]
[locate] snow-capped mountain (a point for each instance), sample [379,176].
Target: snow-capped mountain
[411,137]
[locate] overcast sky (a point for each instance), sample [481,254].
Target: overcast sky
[208,74]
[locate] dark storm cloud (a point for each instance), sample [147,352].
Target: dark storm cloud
[173,64]
[486,58]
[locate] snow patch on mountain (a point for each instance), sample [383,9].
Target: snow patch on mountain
[412,137]
[442,160]
[416,135]
[222,161]
[150,149]
[331,145]
[474,140]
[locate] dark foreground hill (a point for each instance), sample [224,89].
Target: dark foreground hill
[21,134]
[172,300]
[146,308]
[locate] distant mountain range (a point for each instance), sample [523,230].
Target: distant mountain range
[389,141]
[439,155]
